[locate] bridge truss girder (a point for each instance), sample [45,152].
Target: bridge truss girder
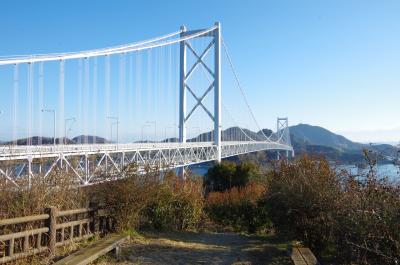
[89,167]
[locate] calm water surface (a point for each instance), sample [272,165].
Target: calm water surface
[385,170]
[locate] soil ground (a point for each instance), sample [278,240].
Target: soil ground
[201,248]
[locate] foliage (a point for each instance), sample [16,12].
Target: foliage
[55,190]
[227,175]
[146,202]
[124,199]
[239,208]
[175,205]
[350,219]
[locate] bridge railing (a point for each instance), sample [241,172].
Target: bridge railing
[31,235]
[43,149]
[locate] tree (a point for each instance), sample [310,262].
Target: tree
[226,175]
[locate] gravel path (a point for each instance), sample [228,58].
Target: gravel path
[201,248]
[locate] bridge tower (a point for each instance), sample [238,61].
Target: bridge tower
[215,36]
[283,134]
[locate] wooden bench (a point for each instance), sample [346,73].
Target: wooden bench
[303,256]
[94,251]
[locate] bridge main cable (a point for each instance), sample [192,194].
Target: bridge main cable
[242,90]
[149,44]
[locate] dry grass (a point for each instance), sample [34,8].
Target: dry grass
[239,208]
[56,190]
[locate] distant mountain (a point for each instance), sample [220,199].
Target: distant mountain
[315,135]
[306,139]
[316,140]
[89,139]
[233,134]
[36,140]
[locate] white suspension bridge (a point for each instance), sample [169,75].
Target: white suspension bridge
[156,76]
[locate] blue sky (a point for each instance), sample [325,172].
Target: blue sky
[330,63]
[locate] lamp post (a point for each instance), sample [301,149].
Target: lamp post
[155,128]
[143,126]
[112,124]
[198,131]
[165,133]
[54,122]
[117,123]
[65,128]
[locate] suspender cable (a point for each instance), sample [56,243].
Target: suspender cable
[131,119]
[79,92]
[94,99]
[107,94]
[121,89]
[41,99]
[86,98]
[30,98]
[61,99]
[15,102]
[138,89]
[149,85]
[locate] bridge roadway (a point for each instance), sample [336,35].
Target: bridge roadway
[90,163]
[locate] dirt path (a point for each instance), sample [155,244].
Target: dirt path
[202,248]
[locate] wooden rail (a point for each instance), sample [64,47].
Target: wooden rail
[95,250]
[302,256]
[22,237]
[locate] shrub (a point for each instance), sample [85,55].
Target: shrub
[175,205]
[349,219]
[56,190]
[148,203]
[303,198]
[124,198]
[226,175]
[239,208]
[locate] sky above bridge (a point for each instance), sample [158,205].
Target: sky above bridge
[334,64]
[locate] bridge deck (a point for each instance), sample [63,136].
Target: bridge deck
[43,151]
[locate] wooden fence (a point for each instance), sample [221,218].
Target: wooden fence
[30,235]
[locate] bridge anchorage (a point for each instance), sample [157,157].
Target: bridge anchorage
[92,162]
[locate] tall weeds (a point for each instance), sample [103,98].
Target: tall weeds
[146,202]
[239,208]
[56,190]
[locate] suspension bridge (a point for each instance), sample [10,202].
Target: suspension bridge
[169,83]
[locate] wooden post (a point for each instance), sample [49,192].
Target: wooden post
[26,243]
[94,216]
[52,225]
[11,248]
[118,252]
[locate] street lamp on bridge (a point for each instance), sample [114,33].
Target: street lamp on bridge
[165,133]
[198,133]
[65,128]
[143,126]
[155,128]
[117,123]
[54,122]
[112,124]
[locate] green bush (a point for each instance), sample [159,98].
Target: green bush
[226,175]
[147,203]
[174,205]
